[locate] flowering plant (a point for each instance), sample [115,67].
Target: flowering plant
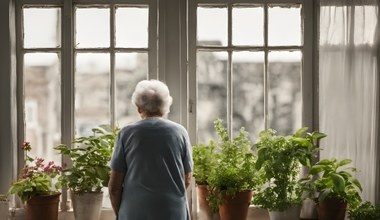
[36,177]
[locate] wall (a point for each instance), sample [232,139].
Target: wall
[8,106]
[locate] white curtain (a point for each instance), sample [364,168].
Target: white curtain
[348,85]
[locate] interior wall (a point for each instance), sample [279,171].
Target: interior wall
[8,106]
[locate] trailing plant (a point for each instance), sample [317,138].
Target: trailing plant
[331,179]
[280,159]
[204,162]
[234,171]
[365,211]
[90,156]
[36,177]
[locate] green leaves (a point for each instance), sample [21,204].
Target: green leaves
[90,156]
[279,160]
[333,180]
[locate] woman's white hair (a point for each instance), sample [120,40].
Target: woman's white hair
[152,97]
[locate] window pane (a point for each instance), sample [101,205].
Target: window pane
[42,27]
[212,92]
[248,92]
[130,69]
[92,27]
[42,100]
[248,26]
[284,96]
[212,26]
[92,92]
[132,27]
[284,32]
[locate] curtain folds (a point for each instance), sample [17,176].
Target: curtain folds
[349,86]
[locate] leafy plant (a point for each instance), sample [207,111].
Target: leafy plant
[329,178]
[204,162]
[90,156]
[365,211]
[234,171]
[279,160]
[36,178]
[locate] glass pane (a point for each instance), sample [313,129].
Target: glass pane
[284,96]
[42,27]
[248,26]
[248,92]
[92,92]
[212,92]
[42,100]
[212,26]
[132,27]
[130,69]
[284,32]
[92,27]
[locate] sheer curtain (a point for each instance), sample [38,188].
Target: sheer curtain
[349,86]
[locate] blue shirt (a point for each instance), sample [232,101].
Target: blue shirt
[154,154]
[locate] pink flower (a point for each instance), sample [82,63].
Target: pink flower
[26,146]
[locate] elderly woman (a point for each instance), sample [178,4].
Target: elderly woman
[151,164]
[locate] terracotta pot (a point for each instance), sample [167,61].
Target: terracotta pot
[42,207]
[331,209]
[205,212]
[235,208]
[87,206]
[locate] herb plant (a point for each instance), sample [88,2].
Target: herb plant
[279,161]
[204,162]
[365,211]
[36,178]
[234,169]
[329,178]
[90,156]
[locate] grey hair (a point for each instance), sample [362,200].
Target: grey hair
[152,97]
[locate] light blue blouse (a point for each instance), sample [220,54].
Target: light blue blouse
[154,154]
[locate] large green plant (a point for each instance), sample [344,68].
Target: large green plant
[234,169]
[204,162]
[90,157]
[331,179]
[279,160]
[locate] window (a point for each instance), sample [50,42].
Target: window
[247,71]
[80,63]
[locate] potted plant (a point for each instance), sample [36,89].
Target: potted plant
[279,158]
[204,162]
[4,207]
[234,176]
[37,187]
[333,187]
[90,171]
[365,211]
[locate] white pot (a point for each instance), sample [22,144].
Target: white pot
[4,210]
[87,206]
[309,210]
[292,213]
